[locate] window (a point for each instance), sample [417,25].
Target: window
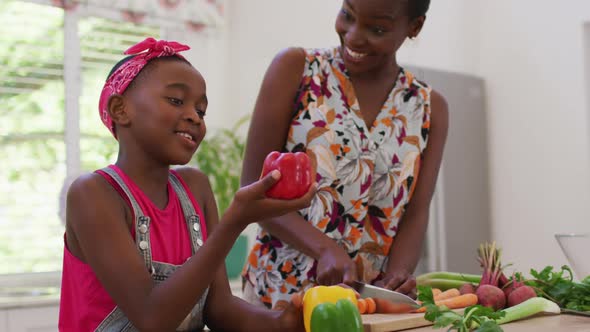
[32,148]
[53,63]
[102,42]
[41,146]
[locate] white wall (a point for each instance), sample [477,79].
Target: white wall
[532,60]
[449,40]
[524,50]
[209,54]
[259,29]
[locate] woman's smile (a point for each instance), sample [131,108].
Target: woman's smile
[354,56]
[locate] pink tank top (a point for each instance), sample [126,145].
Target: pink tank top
[84,302]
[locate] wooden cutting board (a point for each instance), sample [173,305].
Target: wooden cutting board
[393,322]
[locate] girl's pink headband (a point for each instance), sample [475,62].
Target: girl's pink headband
[120,79]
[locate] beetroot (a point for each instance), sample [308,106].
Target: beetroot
[467,288]
[520,295]
[489,259]
[503,280]
[491,296]
[512,284]
[488,292]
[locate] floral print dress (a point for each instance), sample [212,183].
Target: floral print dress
[365,176]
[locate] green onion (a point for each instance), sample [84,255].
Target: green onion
[528,308]
[472,278]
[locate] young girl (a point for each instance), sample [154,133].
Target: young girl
[143,248]
[377,136]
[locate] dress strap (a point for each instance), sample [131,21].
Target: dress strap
[142,222]
[193,221]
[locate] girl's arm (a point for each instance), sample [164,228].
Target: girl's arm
[268,132]
[406,249]
[223,311]
[99,230]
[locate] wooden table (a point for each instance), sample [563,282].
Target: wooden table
[553,323]
[556,323]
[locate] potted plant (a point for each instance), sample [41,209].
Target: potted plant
[220,157]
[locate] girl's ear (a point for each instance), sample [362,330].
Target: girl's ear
[416,26]
[118,110]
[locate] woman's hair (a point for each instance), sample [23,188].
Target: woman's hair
[418,8]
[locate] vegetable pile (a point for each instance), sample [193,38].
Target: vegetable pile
[331,309]
[477,317]
[495,298]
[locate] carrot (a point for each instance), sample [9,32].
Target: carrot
[371,305]
[456,302]
[362,305]
[436,291]
[384,306]
[449,293]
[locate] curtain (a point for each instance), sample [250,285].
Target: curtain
[194,15]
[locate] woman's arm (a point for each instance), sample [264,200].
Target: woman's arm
[268,132]
[406,249]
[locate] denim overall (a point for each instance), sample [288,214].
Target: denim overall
[116,320]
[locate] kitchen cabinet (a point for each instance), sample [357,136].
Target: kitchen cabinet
[29,318]
[460,212]
[37,319]
[3,321]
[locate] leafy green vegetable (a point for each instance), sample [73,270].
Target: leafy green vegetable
[560,287]
[477,318]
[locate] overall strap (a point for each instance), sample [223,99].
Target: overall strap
[193,221]
[142,222]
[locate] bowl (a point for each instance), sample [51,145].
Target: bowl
[575,247]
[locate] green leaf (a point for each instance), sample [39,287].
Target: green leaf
[446,318]
[432,312]
[425,294]
[559,286]
[481,311]
[489,326]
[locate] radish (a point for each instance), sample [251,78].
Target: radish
[467,288]
[511,284]
[491,296]
[488,292]
[520,295]
[489,259]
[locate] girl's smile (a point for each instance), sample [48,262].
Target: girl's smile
[188,140]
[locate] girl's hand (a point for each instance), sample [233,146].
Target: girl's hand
[291,318]
[250,203]
[399,281]
[335,267]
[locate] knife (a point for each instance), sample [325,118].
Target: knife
[366,290]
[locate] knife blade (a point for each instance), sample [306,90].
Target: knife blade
[366,290]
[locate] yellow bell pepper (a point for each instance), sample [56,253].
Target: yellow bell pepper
[324,294]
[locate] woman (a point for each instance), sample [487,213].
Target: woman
[376,136]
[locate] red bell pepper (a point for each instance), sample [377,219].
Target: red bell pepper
[296,174]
